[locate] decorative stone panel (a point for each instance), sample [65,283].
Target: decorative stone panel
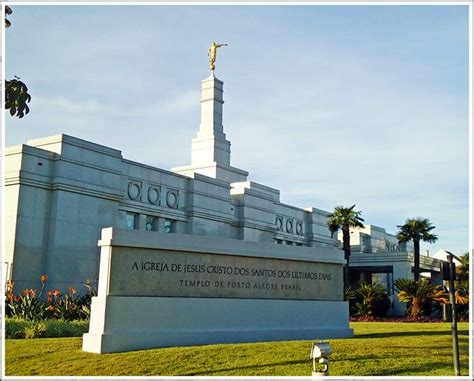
[172,199]
[135,190]
[279,223]
[154,194]
[289,225]
[299,227]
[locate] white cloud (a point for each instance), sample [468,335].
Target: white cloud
[65,105]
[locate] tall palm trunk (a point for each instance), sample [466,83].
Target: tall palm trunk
[346,245]
[416,269]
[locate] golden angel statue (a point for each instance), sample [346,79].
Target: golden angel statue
[212,53]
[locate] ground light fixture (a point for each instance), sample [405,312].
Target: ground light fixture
[320,353]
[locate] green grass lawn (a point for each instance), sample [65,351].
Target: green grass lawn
[378,349]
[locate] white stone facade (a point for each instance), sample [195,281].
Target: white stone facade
[374,239]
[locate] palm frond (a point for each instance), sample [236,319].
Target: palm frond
[419,292]
[416,229]
[344,217]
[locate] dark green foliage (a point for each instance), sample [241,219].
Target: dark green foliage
[370,300]
[344,218]
[381,307]
[16,92]
[416,229]
[17,97]
[8,11]
[350,295]
[15,328]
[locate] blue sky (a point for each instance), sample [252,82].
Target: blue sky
[333,105]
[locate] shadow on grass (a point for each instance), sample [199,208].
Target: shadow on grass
[420,333]
[427,368]
[375,357]
[415,367]
[256,366]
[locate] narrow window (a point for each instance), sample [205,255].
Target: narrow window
[168,226]
[150,223]
[131,221]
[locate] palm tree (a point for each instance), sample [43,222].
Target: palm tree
[418,292]
[416,229]
[345,218]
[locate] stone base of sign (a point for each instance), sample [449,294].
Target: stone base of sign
[162,290]
[149,322]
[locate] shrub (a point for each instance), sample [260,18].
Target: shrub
[371,300]
[382,306]
[368,300]
[35,330]
[23,329]
[419,295]
[15,328]
[350,295]
[61,328]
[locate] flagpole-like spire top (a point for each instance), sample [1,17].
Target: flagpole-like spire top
[210,149]
[212,53]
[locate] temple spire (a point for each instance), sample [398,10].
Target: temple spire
[210,144]
[210,152]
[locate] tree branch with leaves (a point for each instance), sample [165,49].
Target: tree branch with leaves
[16,92]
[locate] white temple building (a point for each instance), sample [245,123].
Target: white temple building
[60,191]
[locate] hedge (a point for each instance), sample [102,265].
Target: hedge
[22,329]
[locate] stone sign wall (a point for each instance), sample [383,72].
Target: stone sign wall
[162,290]
[146,272]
